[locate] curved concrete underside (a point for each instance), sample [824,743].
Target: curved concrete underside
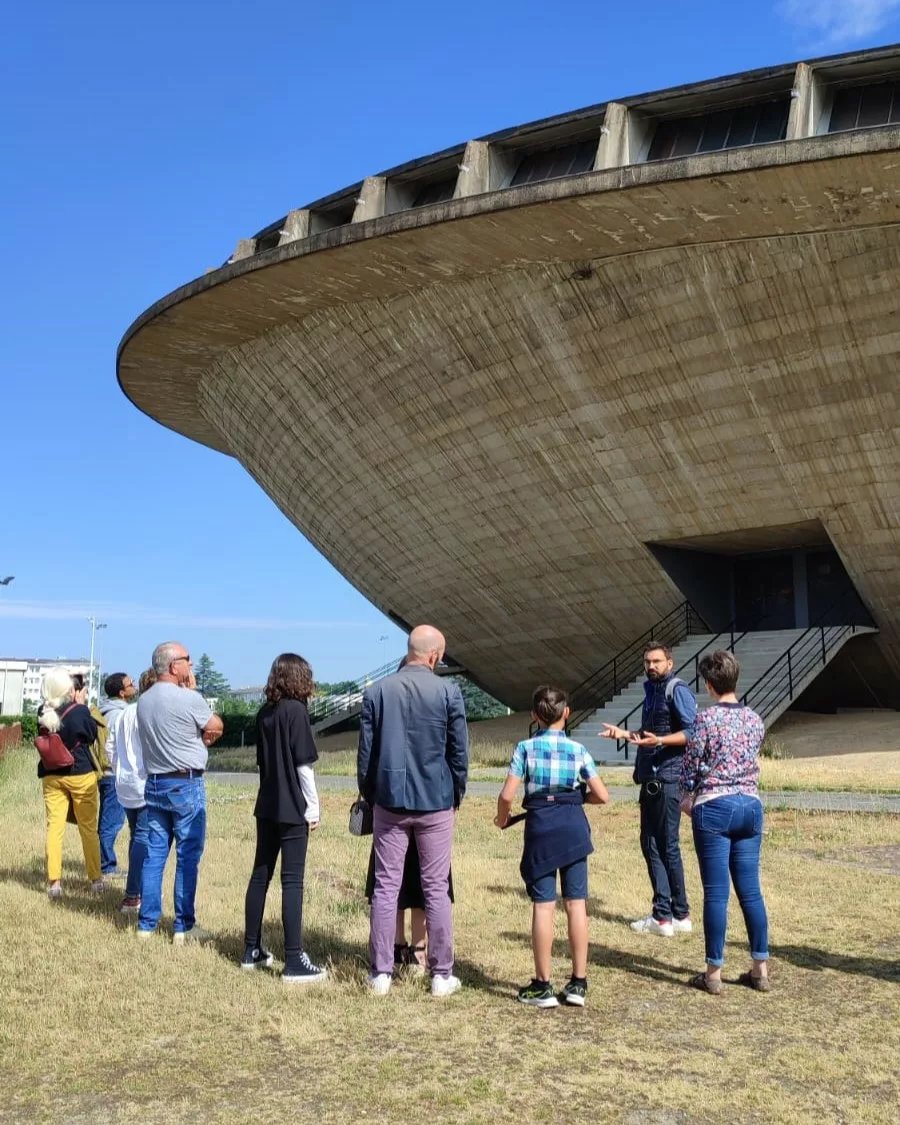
[482,421]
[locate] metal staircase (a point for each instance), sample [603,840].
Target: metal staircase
[776,666]
[330,711]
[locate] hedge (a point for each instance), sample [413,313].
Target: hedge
[27,722]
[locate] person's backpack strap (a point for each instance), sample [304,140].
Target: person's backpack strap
[670,700]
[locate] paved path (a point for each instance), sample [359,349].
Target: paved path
[787,799]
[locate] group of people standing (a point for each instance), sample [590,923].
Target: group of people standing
[412,769]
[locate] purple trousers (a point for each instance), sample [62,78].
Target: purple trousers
[433,832]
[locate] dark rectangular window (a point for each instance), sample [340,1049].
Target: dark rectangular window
[438,192]
[712,132]
[268,240]
[552,163]
[862,107]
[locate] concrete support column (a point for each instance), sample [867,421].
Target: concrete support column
[474,171]
[245,248]
[296,226]
[801,592]
[623,137]
[370,201]
[807,100]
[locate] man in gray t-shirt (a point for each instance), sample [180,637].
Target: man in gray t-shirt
[175,726]
[171,721]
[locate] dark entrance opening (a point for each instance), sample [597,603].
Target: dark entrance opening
[764,595]
[757,579]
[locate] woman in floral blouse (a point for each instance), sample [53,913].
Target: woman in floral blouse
[719,780]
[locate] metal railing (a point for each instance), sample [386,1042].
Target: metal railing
[734,637]
[781,679]
[605,684]
[323,707]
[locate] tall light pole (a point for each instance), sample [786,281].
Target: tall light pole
[95,625]
[100,625]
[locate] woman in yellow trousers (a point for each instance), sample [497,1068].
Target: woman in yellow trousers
[75,784]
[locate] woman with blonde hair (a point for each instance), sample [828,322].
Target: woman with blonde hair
[75,783]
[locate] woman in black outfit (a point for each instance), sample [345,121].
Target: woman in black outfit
[287,808]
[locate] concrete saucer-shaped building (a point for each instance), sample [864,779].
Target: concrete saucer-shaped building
[543,387]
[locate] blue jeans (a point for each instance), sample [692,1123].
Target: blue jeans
[727,836]
[176,810]
[112,817]
[137,849]
[660,825]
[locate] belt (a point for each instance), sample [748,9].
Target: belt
[176,773]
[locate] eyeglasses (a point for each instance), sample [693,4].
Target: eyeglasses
[185,658]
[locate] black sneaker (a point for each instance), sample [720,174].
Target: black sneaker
[538,994]
[258,958]
[575,992]
[303,971]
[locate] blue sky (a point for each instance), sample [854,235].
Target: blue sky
[140,141]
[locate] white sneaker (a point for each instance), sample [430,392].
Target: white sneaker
[649,925]
[682,925]
[379,983]
[445,986]
[194,934]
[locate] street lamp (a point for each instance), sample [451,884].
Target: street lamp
[95,625]
[99,662]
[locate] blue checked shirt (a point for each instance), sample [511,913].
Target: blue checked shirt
[551,761]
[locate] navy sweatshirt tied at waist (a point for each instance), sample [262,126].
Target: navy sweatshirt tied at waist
[557,832]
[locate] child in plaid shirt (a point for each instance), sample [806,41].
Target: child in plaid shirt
[559,776]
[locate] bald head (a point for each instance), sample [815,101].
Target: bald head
[425,646]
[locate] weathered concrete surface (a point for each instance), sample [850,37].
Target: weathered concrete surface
[482,411]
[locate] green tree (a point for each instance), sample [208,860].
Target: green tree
[339,687]
[210,683]
[479,705]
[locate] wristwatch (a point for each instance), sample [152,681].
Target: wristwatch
[659,743]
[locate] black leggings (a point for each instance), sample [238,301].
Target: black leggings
[291,841]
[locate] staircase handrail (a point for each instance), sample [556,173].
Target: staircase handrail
[323,707]
[809,650]
[627,663]
[819,637]
[729,631]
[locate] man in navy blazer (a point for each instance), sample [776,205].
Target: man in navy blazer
[411,766]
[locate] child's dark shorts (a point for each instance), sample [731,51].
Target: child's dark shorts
[573,879]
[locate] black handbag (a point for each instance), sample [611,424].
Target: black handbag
[361,817]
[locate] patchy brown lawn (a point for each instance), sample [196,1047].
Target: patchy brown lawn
[95,1027]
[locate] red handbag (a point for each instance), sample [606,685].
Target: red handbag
[54,753]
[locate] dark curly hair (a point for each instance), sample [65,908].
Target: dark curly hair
[290,678]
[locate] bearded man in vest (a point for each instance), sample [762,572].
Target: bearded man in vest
[669,705]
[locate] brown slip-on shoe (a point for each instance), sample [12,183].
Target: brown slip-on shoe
[703,982]
[758,984]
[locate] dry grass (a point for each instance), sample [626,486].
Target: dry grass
[97,1028]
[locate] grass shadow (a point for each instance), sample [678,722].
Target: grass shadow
[606,957]
[77,895]
[817,960]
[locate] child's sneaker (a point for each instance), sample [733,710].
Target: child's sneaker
[682,925]
[575,992]
[257,958]
[303,971]
[130,904]
[538,994]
